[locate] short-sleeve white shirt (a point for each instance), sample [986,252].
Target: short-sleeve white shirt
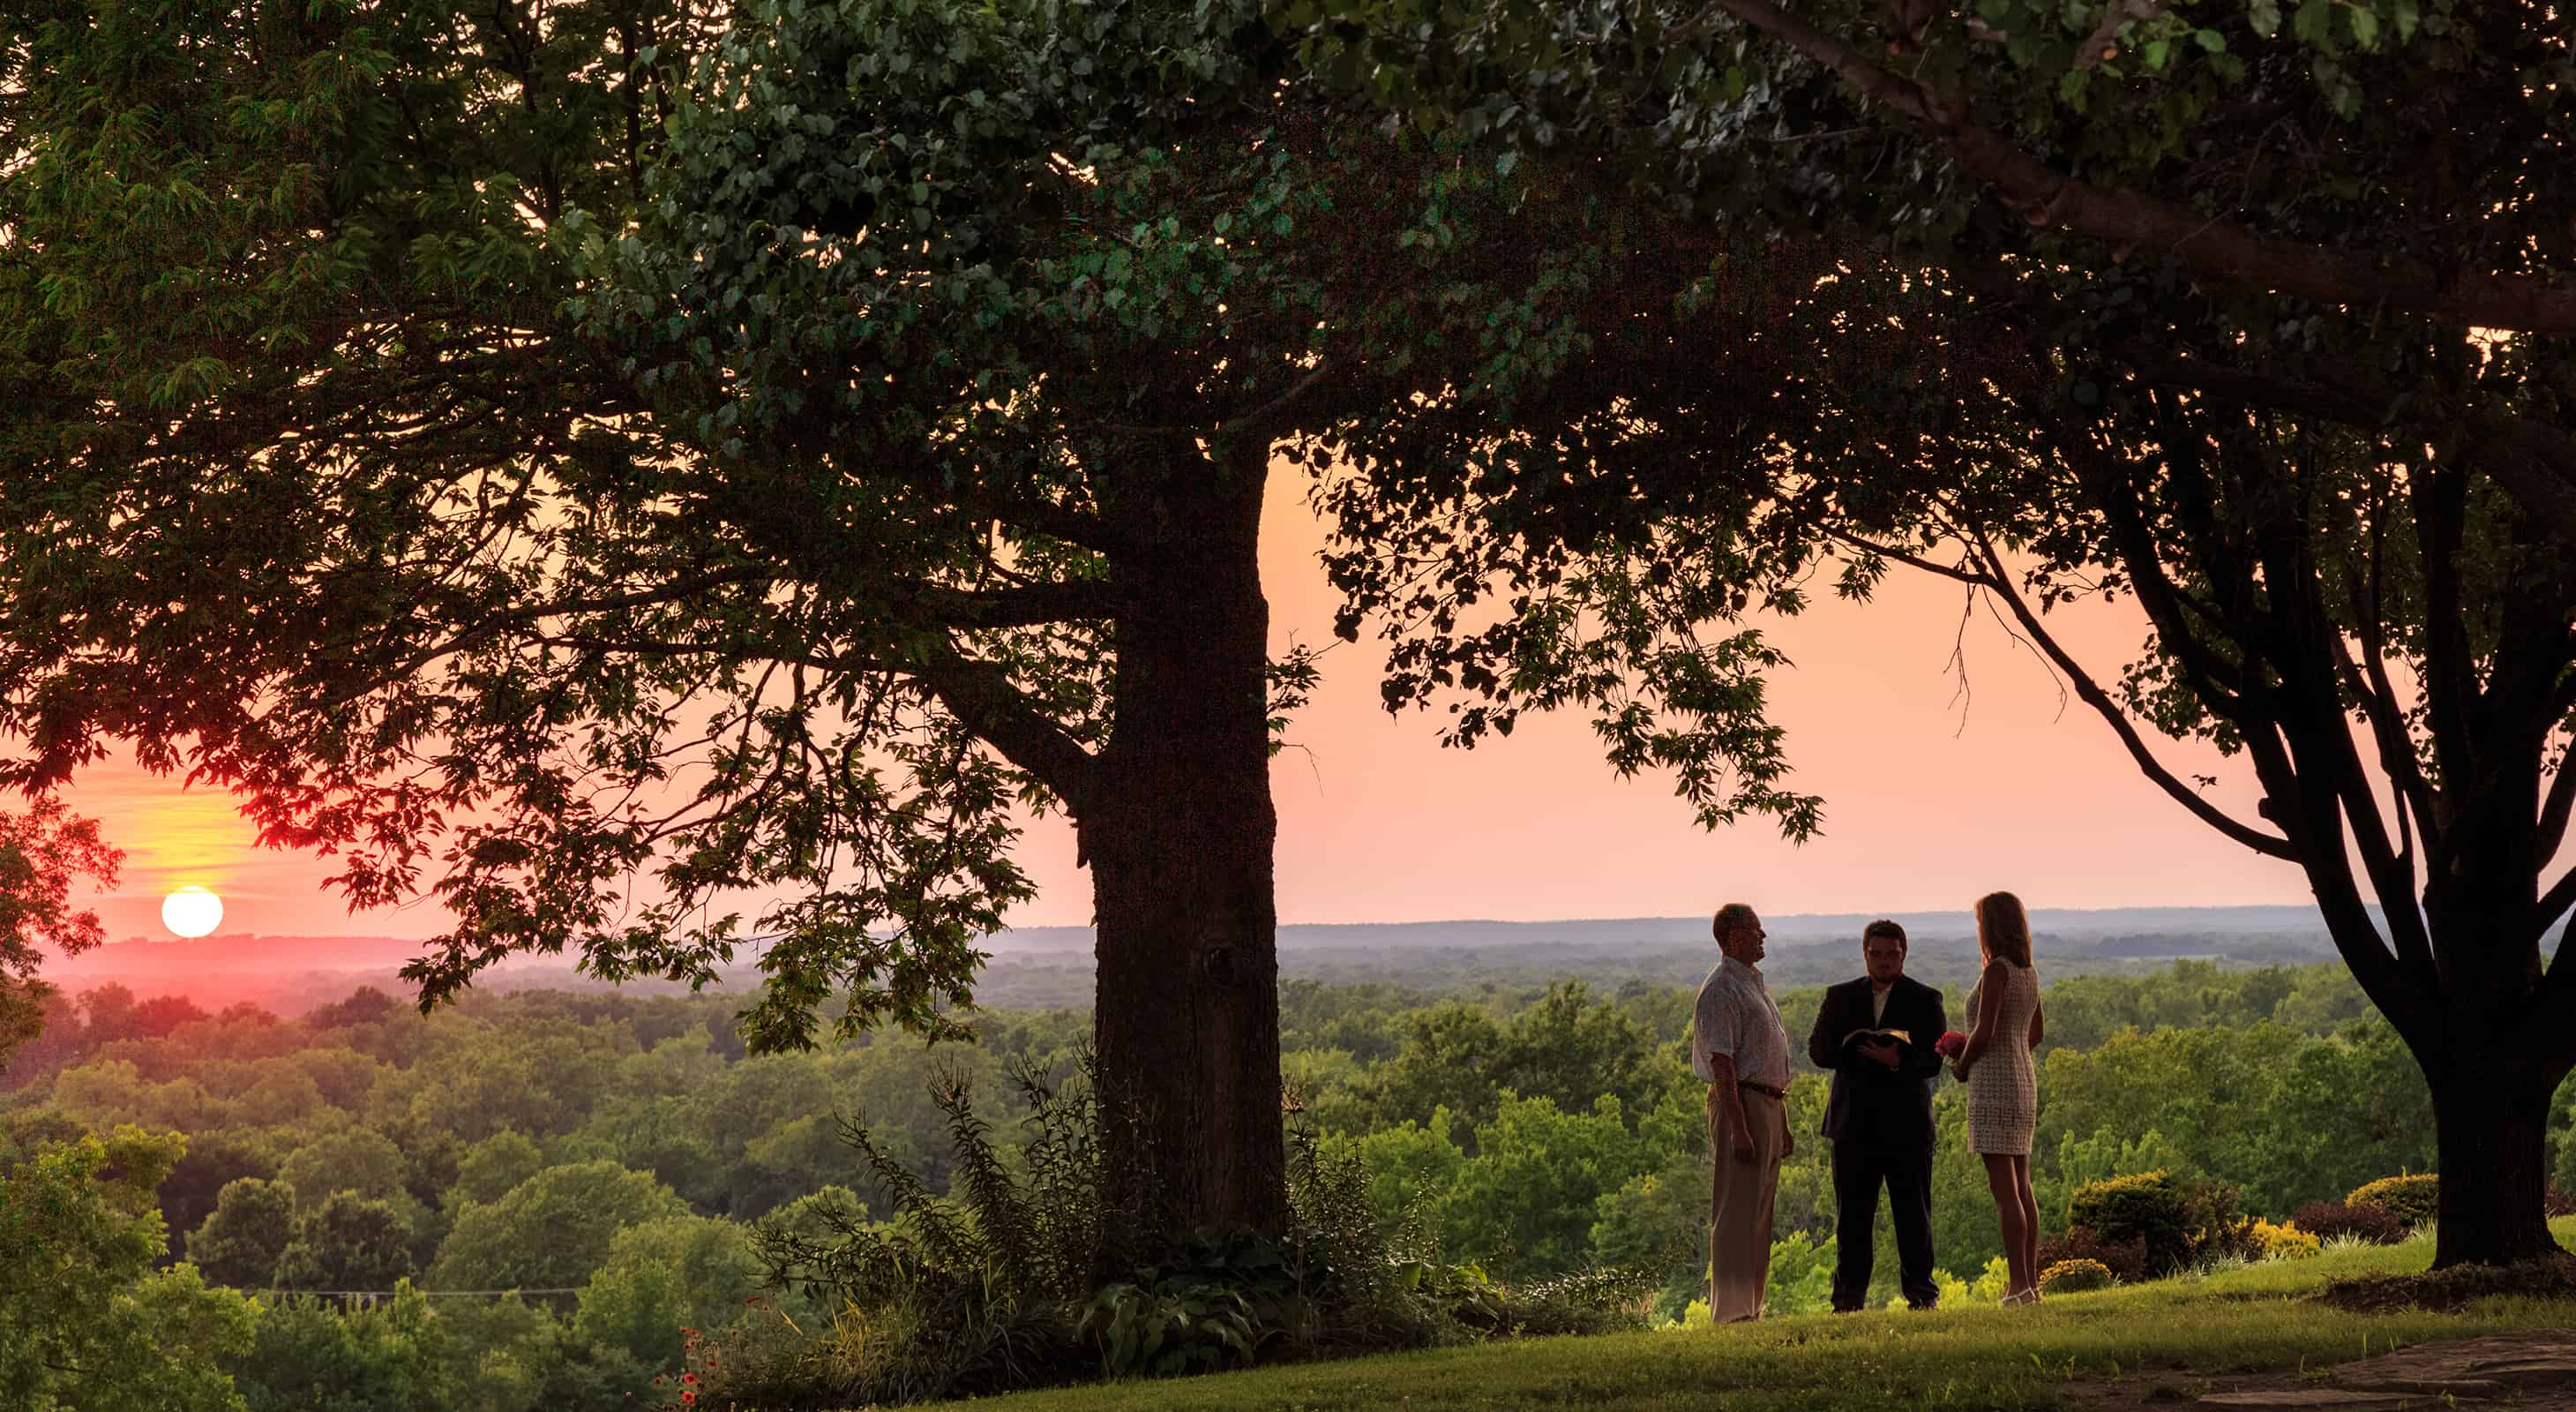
[1736,1017]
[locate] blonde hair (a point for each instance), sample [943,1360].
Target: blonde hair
[2003,929]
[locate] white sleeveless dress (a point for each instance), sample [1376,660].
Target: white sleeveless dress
[2003,1089]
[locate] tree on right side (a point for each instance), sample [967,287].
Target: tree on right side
[2363,615]
[2171,302]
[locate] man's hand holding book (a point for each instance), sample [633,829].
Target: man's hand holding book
[1887,1047]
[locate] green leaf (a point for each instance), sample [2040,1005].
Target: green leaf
[2314,22]
[2365,25]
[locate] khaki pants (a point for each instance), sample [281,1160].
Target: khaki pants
[1739,1205]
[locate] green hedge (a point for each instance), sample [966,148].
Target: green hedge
[2151,1207]
[2075,1277]
[2415,1198]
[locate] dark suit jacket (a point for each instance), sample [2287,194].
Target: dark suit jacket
[1872,1103]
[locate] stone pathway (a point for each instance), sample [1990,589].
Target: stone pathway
[2329,1399]
[2539,1360]
[2532,1369]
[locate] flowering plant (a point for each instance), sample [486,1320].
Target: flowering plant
[1950,1044]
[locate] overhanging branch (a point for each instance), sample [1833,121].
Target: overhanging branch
[2090,692]
[1024,605]
[980,695]
[2046,197]
[2534,462]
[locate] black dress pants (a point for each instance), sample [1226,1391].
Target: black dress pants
[1859,1170]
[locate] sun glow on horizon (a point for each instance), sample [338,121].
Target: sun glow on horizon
[192,911]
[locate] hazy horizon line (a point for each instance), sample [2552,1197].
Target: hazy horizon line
[1961,914]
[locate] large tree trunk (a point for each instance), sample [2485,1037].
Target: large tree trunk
[2492,1133]
[1186,1021]
[2490,1097]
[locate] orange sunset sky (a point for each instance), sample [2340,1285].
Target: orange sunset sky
[1930,800]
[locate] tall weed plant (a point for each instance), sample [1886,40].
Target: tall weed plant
[1043,1264]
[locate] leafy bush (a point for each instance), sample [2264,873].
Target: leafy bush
[1587,1302]
[953,1297]
[2285,1241]
[2332,1220]
[2414,1198]
[1169,1327]
[2227,1242]
[2152,1208]
[999,1286]
[2555,1203]
[2075,1277]
[2126,1260]
[763,1360]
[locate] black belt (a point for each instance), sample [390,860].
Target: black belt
[1767,1090]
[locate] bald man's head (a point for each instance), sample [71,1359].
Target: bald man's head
[1738,931]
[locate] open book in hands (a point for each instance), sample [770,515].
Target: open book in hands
[1878,1037]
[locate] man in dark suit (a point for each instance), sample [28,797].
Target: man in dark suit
[1880,1116]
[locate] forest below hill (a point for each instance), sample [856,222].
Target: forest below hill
[613,1155]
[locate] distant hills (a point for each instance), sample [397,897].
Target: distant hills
[1051,966]
[2085,929]
[2138,931]
[238,952]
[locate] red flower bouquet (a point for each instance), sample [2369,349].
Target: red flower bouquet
[1950,1044]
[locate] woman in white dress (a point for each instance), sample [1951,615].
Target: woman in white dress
[2003,1089]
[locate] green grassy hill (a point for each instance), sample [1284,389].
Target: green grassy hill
[2140,1345]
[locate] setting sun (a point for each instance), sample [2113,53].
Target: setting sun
[192,911]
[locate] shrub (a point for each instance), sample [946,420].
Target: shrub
[2149,1207]
[2075,1277]
[2416,1198]
[2555,1203]
[2334,1220]
[998,1287]
[953,1297]
[2230,1241]
[2125,1260]
[1169,1327]
[2285,1241]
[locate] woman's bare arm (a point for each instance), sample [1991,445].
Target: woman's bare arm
[2036,1027]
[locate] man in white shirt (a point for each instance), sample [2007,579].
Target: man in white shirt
[1740,1048]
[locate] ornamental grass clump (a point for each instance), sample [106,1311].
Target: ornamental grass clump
[2333,1221]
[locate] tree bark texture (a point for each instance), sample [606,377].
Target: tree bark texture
[2494,1145]
[1186,1021]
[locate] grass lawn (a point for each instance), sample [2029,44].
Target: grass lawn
[2170,1333]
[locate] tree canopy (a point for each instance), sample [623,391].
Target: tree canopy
[2153,302]
[724,491]
[92,1324]
[44,853]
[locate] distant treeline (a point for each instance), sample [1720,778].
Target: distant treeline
[607,1145]
[1023,977]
